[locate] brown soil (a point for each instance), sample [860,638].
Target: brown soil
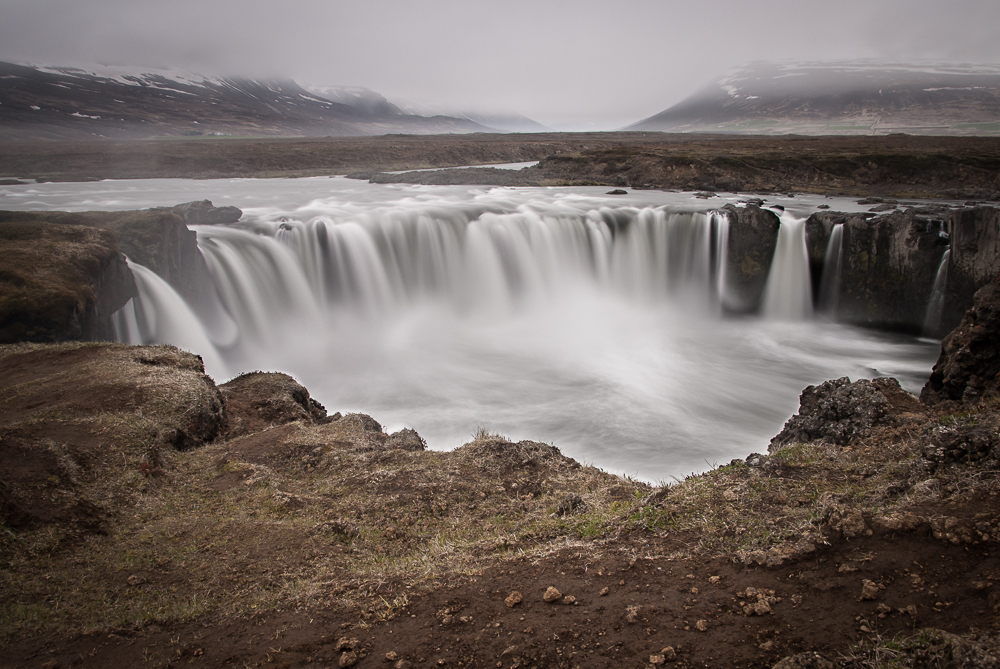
[320,542]
[817,605]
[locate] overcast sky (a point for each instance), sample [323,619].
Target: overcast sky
[570,64]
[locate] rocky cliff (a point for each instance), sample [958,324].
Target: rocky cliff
[64,273]
[753,236]
[58,282]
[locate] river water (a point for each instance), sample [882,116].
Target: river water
[565,315]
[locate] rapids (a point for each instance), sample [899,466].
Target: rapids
[592,322]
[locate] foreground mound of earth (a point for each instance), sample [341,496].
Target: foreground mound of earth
[152,518]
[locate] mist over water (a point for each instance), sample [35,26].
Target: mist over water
[561,315]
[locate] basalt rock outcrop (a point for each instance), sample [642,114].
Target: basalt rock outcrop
[753,236]
[968,369]
[974,260]
[839,412]
[888,265]
[58,282]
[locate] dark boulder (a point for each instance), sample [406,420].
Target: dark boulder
[753,236]
[968,369]
[203,212]
[839,412]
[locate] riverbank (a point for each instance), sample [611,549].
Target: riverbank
[891,166]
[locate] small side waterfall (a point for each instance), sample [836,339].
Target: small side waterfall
[158,315]
[788,292]
[829,286]
[935,306]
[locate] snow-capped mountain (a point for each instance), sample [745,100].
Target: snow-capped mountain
[841,98]
[73,103]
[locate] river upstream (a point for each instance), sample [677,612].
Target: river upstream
[592,322]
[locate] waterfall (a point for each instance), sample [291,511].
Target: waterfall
[935,306]
[788,292]
[829,285]
[158,315]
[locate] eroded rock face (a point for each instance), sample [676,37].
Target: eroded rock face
[974,262]
[839,411]
[258,400]
[753,236]
[889,264]
[968,369]
[58,282]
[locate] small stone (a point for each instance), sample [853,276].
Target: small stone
[669,653]
[714,579]
[767,646]
[348,659]
[551,595]
[882,608]
[346,643]
[604,591]
[632,614]
[569,599]
[657,659]
[869,590]
[391,656]
[513,599]
[702,625]
[694,591]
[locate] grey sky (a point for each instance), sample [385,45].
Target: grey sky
[573,64]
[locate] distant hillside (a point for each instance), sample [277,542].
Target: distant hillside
[841,99]
[503,121]
[62,103]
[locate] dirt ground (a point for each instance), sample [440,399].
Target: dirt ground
[630,601]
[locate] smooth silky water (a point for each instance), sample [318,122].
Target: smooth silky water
[588,321]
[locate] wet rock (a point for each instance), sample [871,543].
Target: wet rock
[968,369]
[975,258]
[513,599]
[883,207]
[839,411]
[888,265]
[551,595]
[811,660]
[617,191]
[753,236]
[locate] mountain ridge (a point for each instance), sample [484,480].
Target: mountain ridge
[68,103]
[841,98]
